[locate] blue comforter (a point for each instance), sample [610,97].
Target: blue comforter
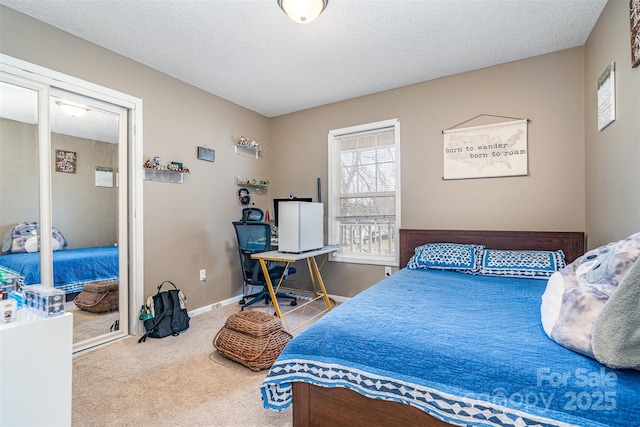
[72,268]
[466,349]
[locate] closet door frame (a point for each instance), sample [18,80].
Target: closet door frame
[44,81]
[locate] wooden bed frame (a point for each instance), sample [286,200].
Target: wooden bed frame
[321,406]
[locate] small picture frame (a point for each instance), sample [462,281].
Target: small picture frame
[66,161]
[634,9]
[206,154]
[607,97]
[104,177]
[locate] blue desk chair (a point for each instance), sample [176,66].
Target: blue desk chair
[254,237]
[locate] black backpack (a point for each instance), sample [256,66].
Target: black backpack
[170,314]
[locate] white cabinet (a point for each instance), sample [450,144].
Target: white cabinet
[36,370]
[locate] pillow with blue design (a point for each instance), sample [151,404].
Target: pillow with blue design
[522,263]
[447,256]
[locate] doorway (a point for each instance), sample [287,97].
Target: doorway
[69,152]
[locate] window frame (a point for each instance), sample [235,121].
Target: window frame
[333,193]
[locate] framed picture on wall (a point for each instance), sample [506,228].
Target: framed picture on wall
[206,154]
[104,177]
[607,97]
[66,161]
[634,7]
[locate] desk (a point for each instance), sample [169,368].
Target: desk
[314,272]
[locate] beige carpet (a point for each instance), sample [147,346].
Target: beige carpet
[90,325]
[173,381]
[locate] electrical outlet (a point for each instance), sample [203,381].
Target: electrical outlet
[203,275]
[387,271]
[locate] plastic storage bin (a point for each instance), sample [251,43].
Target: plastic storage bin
[43,300]
[8,281]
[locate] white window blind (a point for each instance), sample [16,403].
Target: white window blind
[364,192]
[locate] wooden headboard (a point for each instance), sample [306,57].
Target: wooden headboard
[572,243]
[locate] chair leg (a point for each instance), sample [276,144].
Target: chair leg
[294,300]
[264,295]
[256,298]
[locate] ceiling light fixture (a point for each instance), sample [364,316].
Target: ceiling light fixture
[303,11]
[72,110]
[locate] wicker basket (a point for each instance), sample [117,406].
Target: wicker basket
[98,297]
[252,338]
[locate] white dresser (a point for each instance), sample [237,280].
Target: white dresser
[36,370]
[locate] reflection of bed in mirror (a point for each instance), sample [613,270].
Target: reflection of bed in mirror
[72,268]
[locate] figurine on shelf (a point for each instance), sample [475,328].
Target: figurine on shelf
[252,181]
[246,142]
[175,166]
[153,164]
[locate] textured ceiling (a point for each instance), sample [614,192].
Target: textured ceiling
[249,52]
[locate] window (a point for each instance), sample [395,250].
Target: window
[364,192]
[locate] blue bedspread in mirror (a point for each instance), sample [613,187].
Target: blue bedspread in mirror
[466,349]
[72,268]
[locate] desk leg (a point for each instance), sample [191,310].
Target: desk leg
[267,279]
[316,270]
[312,276]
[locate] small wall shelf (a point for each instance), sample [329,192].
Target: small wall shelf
[258,185]
[163,175]
[244,150]
[252,183]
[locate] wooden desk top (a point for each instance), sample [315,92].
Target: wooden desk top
[292,257]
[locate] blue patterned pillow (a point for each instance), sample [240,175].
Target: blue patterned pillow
[532,264]
[447,256]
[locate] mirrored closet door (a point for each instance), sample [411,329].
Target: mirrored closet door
[85,141]
[64,160]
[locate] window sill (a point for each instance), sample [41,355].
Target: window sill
[389,261]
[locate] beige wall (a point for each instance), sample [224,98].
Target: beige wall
[18,174]
[187,227]
[547,89]
[613,155]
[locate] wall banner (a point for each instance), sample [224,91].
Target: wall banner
[487,151]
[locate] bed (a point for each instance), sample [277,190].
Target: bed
[448,348]
[72,268]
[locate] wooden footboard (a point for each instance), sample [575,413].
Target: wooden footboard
[320,406]
[335,407]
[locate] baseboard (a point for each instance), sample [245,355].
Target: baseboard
[234,300]
[339,298]
[208,308]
